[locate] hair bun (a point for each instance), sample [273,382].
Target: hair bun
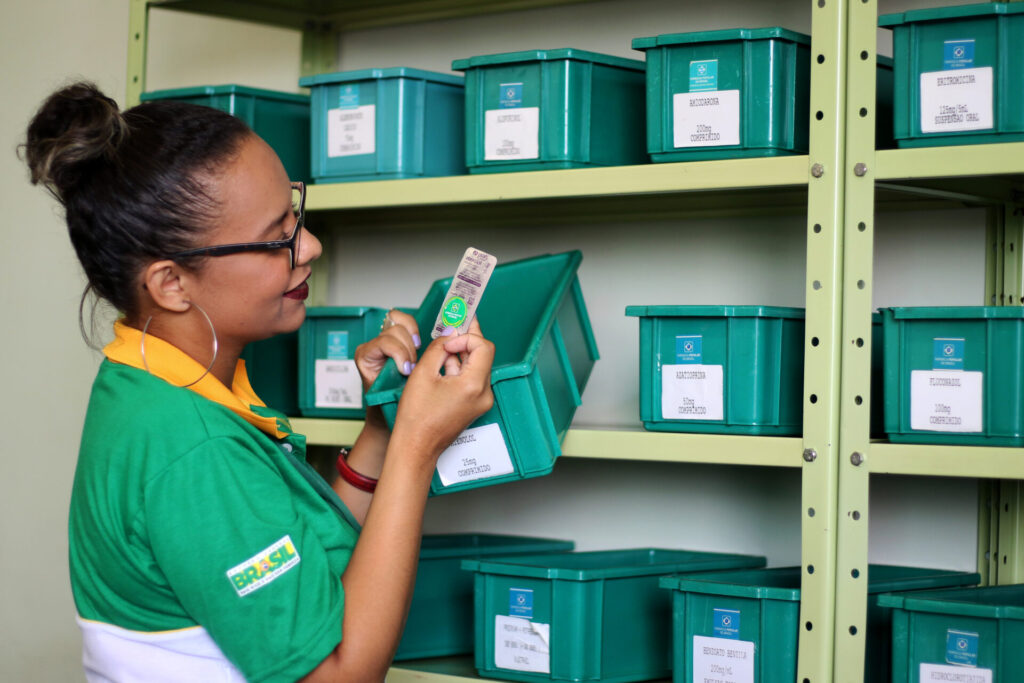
[75,126]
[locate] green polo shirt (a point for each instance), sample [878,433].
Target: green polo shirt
[184,514]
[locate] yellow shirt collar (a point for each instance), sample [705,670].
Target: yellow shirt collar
[170,363]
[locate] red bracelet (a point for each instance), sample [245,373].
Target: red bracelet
[360,481]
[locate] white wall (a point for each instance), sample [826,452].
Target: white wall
[921,258]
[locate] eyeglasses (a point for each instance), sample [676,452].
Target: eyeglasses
[291,243]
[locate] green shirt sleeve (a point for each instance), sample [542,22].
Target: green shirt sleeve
[224,528]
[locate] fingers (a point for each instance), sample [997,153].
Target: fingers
[406,322]
[476,353]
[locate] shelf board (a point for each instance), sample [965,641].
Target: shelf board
[982,462]
[645,179]
[350,14]
[977,174]
[440,670]
[614,444]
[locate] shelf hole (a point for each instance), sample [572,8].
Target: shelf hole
[808,626]
[814,398]
[807,680]
[816,284]
[821,59]
[137,36]
[858,400]
[853,630]
[820,115]
[1011,246]
[815,341]
[859,342]
[855,573]
[135,79]
[863,112]
[810,569]
[821,3]
[1004,558]
[862,226]
[864,54]
[810,512]
[817,227]
[1006,507]
[1011,298]
[856,515]
[860,284]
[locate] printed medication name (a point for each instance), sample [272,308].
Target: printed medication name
[944,381]
[956,677]
[965,79]
[691,374]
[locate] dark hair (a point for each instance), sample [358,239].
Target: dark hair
[134,185]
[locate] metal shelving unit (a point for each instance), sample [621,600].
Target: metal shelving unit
[838,186]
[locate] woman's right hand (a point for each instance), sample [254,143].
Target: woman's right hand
[434,408]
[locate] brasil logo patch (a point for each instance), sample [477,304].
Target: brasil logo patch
[264,567]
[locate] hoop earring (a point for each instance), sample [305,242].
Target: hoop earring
[142,347]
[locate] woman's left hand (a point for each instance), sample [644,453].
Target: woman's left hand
[399,341]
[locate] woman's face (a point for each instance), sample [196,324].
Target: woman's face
[254,295]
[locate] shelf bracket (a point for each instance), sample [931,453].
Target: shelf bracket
[138,40]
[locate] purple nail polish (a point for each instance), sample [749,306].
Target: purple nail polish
[448,331]
[407,367]
[416,340]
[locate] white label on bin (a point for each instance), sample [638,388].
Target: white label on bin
[942,673]
[511,133]
[691,392]
[722,660]
[337,384]
[478,453]
[706,119]
[522,645]
[956,100]
[351,131]
[946,400]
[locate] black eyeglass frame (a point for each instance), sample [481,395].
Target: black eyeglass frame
[291,243]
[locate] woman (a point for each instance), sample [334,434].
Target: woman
[202,546]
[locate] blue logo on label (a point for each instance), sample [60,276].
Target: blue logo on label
[704,75]
[688,350]
[520,602]
[510,95]
[948,354]
[957,54]
[961,648]
[337,345]
[727,623]
[349,96]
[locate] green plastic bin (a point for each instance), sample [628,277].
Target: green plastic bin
[329,383]
[547,109]
[379,124]
[954,375]
[273,369]
[721,369]
[533,311]
[280,118]
[583,616]
[957,74]
[440,621]
[736,93]
[947,635]
[756,615]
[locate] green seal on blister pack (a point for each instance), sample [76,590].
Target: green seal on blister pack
[454,311]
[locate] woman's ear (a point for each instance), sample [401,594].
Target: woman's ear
[166,284]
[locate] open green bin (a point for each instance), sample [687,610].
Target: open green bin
[736,93]
[548,109]
[533,311]
[280,118]
[750,620]
[721,369]
[440,621]
[379,124]
[953,375]
[583,616]
[952,634]
[329,382]
[957,74]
